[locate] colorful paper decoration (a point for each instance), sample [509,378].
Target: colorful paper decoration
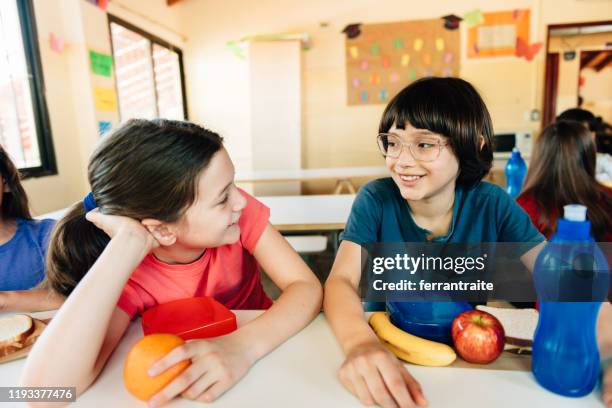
[404,52]
[238,47]
[412,74]
[418,44]
[102,4]
[101,64]
[497,34]
[527,51]
[56,43]
[473,18]
[105,99]
[104,127]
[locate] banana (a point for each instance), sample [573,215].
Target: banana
[408,347]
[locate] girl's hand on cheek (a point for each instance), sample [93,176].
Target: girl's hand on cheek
[113,225]
[216,365]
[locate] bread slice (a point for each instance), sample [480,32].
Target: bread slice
[519,324]
[14,330]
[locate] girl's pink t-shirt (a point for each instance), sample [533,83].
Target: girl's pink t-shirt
[229,273]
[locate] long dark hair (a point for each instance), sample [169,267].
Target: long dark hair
[453,108]
[562,171]
[144,169]
[15,202]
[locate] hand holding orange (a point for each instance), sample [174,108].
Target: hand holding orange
[141,357]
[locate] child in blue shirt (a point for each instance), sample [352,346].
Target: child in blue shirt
[23,246]
[436,137]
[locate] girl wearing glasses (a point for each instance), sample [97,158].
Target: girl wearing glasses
[436,137]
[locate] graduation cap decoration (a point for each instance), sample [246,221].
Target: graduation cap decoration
[352,30]
[451,21]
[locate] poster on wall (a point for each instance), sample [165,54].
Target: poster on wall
[384,58]
[499,34]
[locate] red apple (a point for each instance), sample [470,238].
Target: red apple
[478,336]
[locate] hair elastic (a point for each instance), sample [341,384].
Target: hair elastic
[89,203]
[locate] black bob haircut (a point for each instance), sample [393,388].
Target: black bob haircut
[452,108]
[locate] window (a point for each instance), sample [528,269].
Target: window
[24,125]
[149,74]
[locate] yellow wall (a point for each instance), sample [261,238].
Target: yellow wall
[333,134]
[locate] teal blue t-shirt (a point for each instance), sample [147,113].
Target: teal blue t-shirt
[481,213]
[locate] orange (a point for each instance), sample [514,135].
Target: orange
[140,358]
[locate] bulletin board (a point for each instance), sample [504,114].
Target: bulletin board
[499,34]
[384,58]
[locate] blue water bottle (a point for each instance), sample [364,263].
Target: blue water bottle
[515,173]
[572,279]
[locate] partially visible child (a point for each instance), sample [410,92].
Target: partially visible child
[603,164]
[23,245]
[165,221]
[561,172]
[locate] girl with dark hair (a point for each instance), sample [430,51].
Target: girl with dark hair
[436,137]
[165,221]
[561,172]
[23,245]
[603,162]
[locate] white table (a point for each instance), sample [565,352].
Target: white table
[302,373]
[341,174]
[254,176]
[309,212]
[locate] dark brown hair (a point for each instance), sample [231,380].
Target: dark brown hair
[144,169]
[15,202]
[562,171]
[452,108]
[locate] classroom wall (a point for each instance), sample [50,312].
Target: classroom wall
[217,82]
[334,134]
